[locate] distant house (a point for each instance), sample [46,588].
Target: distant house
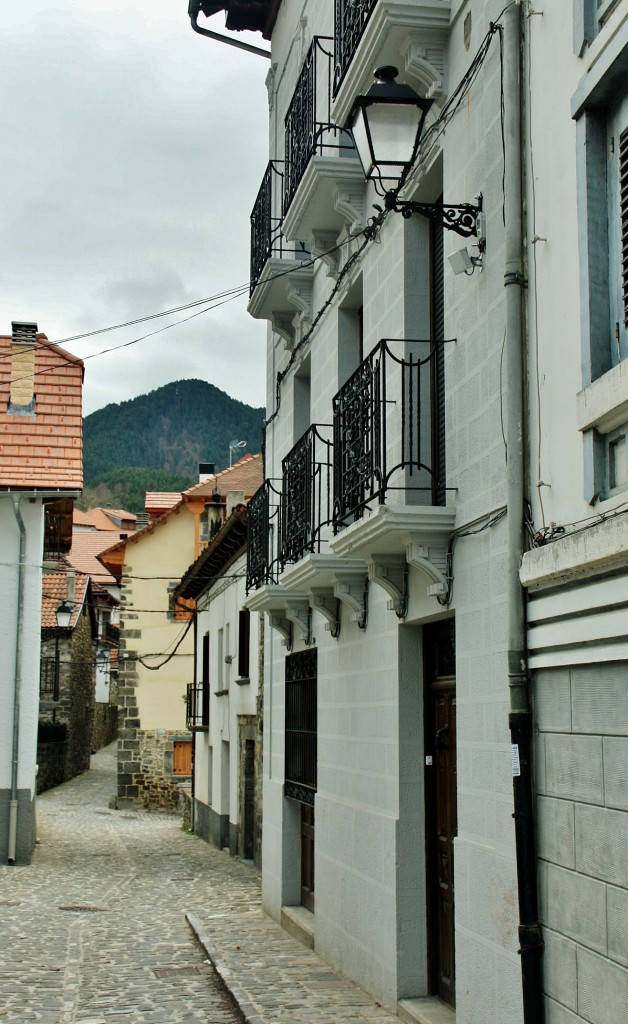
[156,636]
[40,475]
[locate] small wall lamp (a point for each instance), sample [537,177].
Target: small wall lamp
[64,615]
[387,125]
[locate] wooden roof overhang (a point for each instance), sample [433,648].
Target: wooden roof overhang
[225,548]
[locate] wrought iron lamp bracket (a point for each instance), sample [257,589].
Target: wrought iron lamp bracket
[465,219]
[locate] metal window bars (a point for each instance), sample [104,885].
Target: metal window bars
[266,236]
[301,726]
[197,706]
[308,125]
[386,434]
[262,559]
[306,502]
[351,18]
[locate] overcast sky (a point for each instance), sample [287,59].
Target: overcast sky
[133,150]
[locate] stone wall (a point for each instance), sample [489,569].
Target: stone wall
[51,765]
[158,789]
[104,726]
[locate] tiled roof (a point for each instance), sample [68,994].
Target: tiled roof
[86,545]
[55,590]
[246,475]
[101,519]
[80,518]
[160,501]
[43,449]
[133,538]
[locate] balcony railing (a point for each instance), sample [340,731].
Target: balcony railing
[351,19]
[197,707]
[386,430]
[266,236]
[308,125]
[306,502]
[263,513]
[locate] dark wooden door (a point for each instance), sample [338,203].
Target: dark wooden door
[440,746]
[307,856]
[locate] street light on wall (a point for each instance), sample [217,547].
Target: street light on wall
[387,125]
[64,617]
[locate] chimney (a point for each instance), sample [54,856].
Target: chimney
[206,471]
[23,346]
[70,586]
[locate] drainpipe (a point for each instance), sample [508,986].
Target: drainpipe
[17,685]
[194,11]
[520,716]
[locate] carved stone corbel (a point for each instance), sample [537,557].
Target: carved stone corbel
[391,573]
[432,560]
[283,627]
[299,613]
[325,601]
[322,243]
[352,589]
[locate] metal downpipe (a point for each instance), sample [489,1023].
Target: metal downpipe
[17,685]
[520,717]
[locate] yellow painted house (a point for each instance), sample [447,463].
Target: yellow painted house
[157,635]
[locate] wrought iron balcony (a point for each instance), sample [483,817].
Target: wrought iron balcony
[306,503]
[197,706]
[262,562]
[308,124]
[389,430]
[266,236]
[350,22]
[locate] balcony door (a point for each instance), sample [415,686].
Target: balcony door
[441,794]
[301,756]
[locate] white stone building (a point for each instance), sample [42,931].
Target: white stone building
[440,548]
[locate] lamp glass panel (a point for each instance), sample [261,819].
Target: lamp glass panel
[361,140]
[393,130]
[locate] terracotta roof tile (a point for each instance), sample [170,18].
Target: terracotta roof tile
[55,590]
[43,449]
[86,545]
[246,475]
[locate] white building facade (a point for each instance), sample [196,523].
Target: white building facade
[223,709]
[443,634]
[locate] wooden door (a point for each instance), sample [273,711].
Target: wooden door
[440,748]
[307,856]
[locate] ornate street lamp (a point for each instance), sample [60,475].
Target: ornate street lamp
[387,124]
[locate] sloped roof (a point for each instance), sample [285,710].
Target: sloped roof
[86,545]
[80,518]
[54,589]
[161,501]
[102,518]
[43,449]
[246,475]
[222,551]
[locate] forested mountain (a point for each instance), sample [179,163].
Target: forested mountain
[168,432]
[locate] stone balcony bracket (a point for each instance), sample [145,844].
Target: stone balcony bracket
[325,601]
[352,589]
[391,573]
[330,196]
[284,628]
[431,558]
[324,245]
[299,613]
[283,295]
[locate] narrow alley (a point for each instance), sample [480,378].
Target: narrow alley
[104,927]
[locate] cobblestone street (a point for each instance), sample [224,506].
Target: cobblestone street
[94,930]
[104,927]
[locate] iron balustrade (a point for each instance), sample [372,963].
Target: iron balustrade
[266,237]
[263,513]
[306,503]
[197,706]
[350,21]
[308,125]
[386,430]
[301,726]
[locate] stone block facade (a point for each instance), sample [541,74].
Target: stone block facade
[581,753]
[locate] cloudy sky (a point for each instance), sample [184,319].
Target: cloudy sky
[133,150]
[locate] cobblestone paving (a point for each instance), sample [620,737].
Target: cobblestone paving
[94,931]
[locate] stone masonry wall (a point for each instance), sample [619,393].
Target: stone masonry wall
[158,788]
[105,725]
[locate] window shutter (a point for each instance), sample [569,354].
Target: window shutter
[623,208]
[244,638]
